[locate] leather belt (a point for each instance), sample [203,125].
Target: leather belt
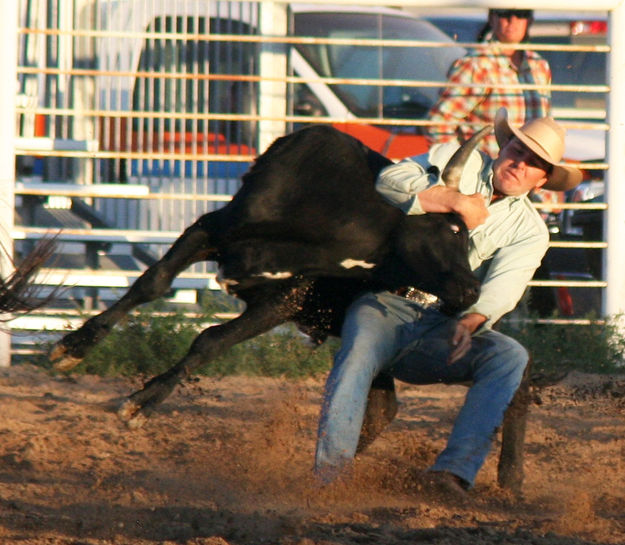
[422,298]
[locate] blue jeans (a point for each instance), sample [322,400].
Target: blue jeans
[385,332]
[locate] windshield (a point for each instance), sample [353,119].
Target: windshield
[372,62]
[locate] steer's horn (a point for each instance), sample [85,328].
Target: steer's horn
[453,170]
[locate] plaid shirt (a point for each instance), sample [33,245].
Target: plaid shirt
[462,109]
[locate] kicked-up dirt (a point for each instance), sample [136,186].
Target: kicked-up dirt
[228,462]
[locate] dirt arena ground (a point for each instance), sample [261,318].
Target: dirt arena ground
[228,462]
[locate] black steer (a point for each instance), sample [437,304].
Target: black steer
[306,233]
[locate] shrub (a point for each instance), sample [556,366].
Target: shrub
[152,339]
[146,342]
[591,348]
[282,352]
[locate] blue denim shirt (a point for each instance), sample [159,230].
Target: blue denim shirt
[504,251]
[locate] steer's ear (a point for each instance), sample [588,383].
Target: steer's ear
[453,170]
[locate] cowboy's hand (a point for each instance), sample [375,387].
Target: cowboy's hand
[461,342]
[472,209]
[461,338]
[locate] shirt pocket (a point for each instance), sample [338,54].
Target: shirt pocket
[483,245]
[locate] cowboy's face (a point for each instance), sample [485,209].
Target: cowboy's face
[517,170]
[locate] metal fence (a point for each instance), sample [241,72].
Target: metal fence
[134,117]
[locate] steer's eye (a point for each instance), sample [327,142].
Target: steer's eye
[455,228]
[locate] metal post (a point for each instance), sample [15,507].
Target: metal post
[8,70]
[273,67]
[614,257]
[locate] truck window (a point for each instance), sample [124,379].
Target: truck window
[187,91]
[176,75]
[566,67]
[373,62]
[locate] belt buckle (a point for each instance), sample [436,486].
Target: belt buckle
[422,298]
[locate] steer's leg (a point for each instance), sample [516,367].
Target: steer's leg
[381,409]
[510,468]
[193,245]
[259,317]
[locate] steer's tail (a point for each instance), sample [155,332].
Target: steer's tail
[18,292]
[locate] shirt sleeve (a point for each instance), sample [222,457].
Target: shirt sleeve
[400,184]
[507,275]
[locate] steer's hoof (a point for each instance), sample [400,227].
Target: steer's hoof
[65,361]
[130,413]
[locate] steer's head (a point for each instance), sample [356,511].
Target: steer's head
[434,247]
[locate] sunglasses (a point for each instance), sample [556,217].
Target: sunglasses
[518,13]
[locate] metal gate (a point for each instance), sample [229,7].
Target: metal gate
[134,117]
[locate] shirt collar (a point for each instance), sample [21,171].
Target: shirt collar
[498,52]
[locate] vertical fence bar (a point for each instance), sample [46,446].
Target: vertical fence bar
[614,257]
[8,69]
[273,67]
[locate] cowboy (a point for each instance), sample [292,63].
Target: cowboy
[410,339]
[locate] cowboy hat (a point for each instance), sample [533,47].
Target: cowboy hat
[545,138]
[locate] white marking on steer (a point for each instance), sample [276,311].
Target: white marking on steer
[351,263]
[276,275]
[224,283]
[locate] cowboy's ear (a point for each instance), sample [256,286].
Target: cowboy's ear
[541,183]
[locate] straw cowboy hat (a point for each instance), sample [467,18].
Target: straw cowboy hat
[546,139]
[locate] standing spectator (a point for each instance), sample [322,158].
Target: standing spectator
[484,80]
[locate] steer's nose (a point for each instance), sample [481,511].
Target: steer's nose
[471,294]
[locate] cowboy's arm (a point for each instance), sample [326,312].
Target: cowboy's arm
[508,274]
[414,190]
